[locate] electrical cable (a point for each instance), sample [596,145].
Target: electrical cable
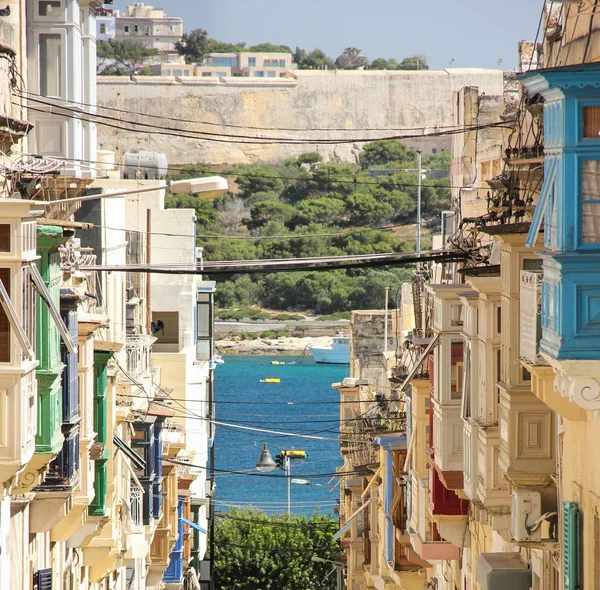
[213,124]
[65,111]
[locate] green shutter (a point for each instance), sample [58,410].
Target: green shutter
[571,545]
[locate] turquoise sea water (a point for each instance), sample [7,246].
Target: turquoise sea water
[242,399]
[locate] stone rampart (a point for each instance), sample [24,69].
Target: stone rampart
[363,104]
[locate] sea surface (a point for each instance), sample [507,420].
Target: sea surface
[303,402]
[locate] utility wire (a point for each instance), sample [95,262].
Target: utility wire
[213,124]
[120,123]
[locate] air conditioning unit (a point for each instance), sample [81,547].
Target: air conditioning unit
[526,510]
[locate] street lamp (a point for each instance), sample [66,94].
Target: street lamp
[338,569]
[266,464]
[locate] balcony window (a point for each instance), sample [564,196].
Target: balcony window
[282,63]
[5,339]
[50,8]
[126,28]
[259,74]
[204,327]
[590,207]
[251,62]
[591,122]
[50,65]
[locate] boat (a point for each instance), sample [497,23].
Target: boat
[337,354]
[294,453]
[271,380]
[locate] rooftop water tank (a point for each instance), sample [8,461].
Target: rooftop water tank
[145,165]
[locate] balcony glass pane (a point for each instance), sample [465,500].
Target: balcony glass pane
[50,66]
[591,122]
[51,8]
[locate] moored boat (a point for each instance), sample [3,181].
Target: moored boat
[337,354]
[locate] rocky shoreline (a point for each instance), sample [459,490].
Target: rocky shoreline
[284,346]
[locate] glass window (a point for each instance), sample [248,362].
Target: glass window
[222,62]
[590,208]
[126,28]
[282,63]
[103,29]
[176,72]
[251,62]
[4,237]
[50,8]
[206,74]
[204,327]
[272,74]
[50,65]
[5,340]
[259,74]
[591,122]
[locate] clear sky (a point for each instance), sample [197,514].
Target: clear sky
[474,33]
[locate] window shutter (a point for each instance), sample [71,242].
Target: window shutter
[42,579]
[571,545]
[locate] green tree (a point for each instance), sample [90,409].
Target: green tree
[193,46]
[387,151]
[255,180]
[352,58]
[206,214]
[122,57]
[322,210]
[310,158]
[264,211]
[269,48]
[439,161]
[256,552]
[366,210]
[314,60]
[214,46]
[414,62]
[379,64]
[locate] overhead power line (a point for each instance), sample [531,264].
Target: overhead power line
[125,125]
[290,264]
[26,95]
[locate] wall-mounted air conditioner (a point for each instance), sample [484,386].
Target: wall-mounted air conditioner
[526,510]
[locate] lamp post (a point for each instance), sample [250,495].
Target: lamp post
[419,159]
[266,464]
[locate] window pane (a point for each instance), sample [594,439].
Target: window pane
[591,122]
[204,350]
[590,223]
[50,65]
[4,323]
[50,8]
[4,237]
[203,321]
[590,186]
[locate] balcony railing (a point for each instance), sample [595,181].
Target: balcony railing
[135,504]
[531,310]
[137,349]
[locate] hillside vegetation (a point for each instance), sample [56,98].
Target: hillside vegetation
[305,208]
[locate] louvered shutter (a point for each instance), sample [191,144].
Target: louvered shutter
[571,546]
[42,579]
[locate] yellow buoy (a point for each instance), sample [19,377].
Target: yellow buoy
[271,380]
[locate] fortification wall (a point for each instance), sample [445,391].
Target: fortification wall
[353,101]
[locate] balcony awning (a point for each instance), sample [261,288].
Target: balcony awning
[419,362]
[40,287]
[348,524]
[14,321]
[550,166]
[137,461]
[193,524]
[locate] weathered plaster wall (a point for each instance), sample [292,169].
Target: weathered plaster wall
[349,100]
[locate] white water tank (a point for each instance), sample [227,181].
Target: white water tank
[145,165]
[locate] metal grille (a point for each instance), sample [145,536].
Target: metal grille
[42,579]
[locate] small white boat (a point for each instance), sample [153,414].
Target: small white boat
[338,354]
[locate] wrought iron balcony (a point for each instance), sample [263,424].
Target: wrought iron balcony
[531,313]
[137,349]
